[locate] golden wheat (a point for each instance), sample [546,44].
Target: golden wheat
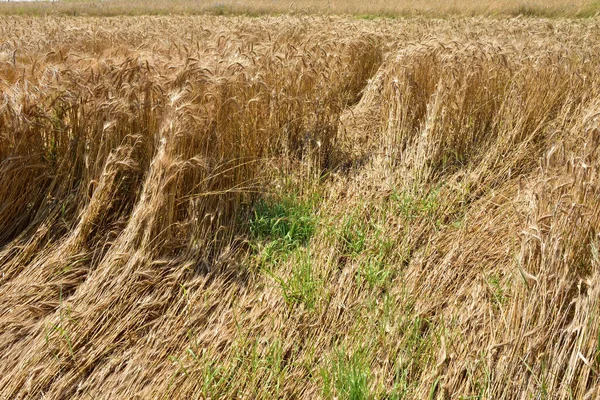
[371,9]
[434,185]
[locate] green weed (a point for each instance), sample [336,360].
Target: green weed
[348,377]
[412,205]
[278,227]
[498,292]
[354,235]
[301,286]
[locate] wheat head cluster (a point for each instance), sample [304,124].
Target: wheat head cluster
[299,207]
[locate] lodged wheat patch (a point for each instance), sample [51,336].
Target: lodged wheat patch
[299,207]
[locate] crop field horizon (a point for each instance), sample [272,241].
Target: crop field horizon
[354,8]
[299,206]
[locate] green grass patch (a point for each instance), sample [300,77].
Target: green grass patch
[374,272]
[353,235]
[301,286]
[412,205]
[375,268]
[279,226]
[262,365]
[348,376]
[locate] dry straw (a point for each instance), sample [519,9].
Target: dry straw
[445,173]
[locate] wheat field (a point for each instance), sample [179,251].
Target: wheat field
[352,8]
[295,206]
